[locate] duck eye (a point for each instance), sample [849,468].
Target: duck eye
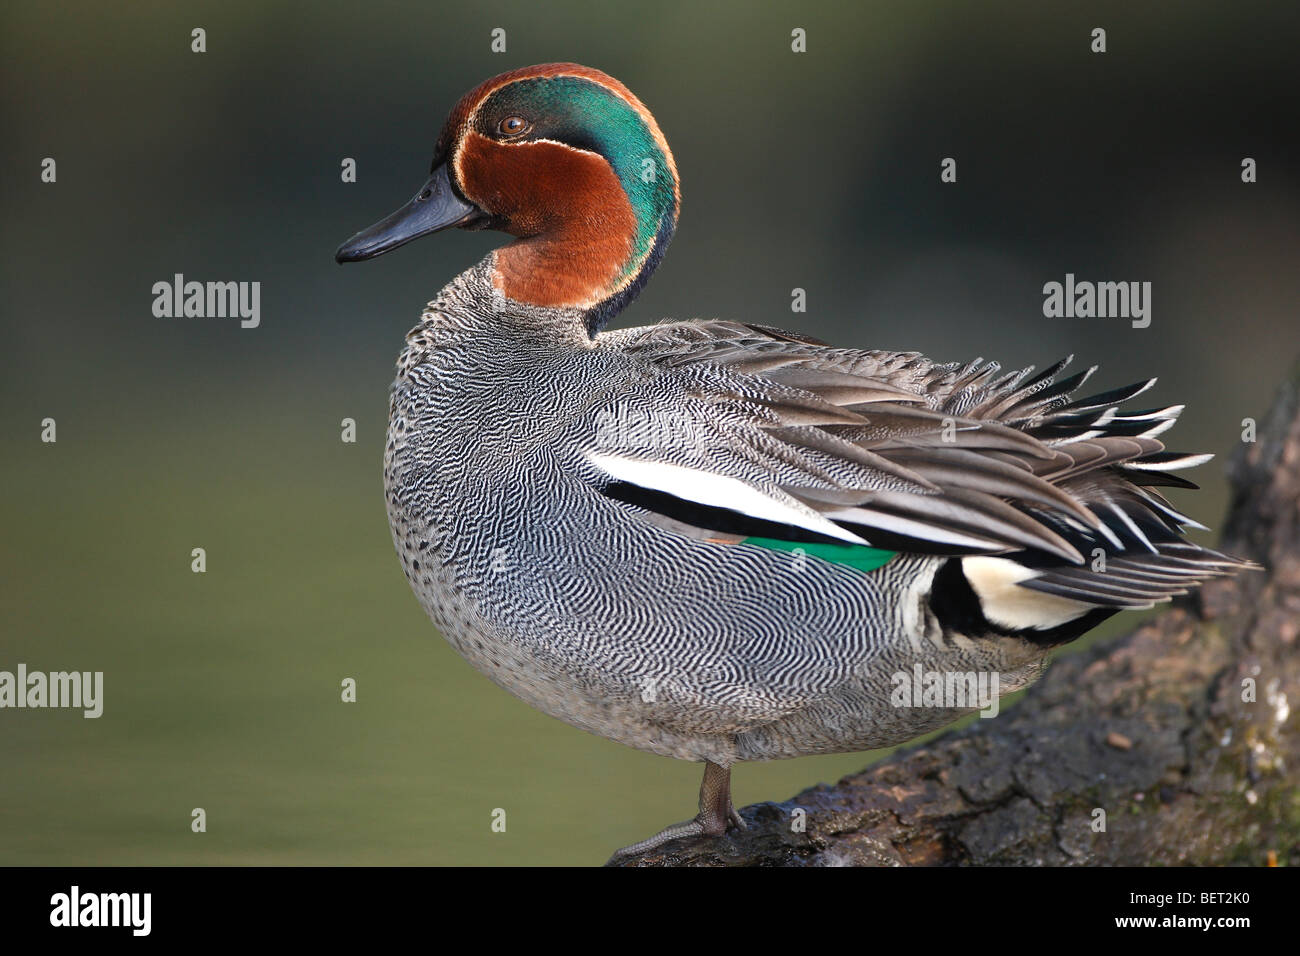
[513,125]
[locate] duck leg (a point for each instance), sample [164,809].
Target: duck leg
[716,813]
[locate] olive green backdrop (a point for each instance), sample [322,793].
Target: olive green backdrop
[817,170]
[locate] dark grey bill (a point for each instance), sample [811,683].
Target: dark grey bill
[434,208]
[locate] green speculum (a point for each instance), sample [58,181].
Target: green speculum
[859,556]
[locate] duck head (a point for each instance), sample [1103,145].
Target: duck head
[566,159]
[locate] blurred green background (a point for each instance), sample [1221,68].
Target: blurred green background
[817,171]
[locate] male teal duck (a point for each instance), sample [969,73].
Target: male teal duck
[719,541]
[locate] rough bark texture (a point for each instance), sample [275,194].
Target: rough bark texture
[1150,728]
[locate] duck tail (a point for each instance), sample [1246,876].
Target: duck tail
[1134,550]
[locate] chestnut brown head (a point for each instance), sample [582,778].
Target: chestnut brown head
[567,160]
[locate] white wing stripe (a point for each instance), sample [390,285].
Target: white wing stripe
[717,491]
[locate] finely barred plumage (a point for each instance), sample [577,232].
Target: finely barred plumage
[651,533]
[588,603]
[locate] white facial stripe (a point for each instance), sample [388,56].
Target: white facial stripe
[718,491]
[468,126]
[645,114]
[552,142]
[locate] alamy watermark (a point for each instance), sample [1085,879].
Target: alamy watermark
[1101,300]
[637,429]
[129,910]
[83,690]
[208,300]
[961,690]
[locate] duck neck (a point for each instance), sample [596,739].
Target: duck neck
[473,304]
[596,265]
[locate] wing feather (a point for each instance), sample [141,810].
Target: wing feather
[893,450]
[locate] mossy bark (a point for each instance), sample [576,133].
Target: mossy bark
[1157,730]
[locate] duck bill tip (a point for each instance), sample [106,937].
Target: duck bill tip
[434,208]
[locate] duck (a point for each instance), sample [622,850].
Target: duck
[715,540]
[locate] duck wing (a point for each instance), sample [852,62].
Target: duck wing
[750,434]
